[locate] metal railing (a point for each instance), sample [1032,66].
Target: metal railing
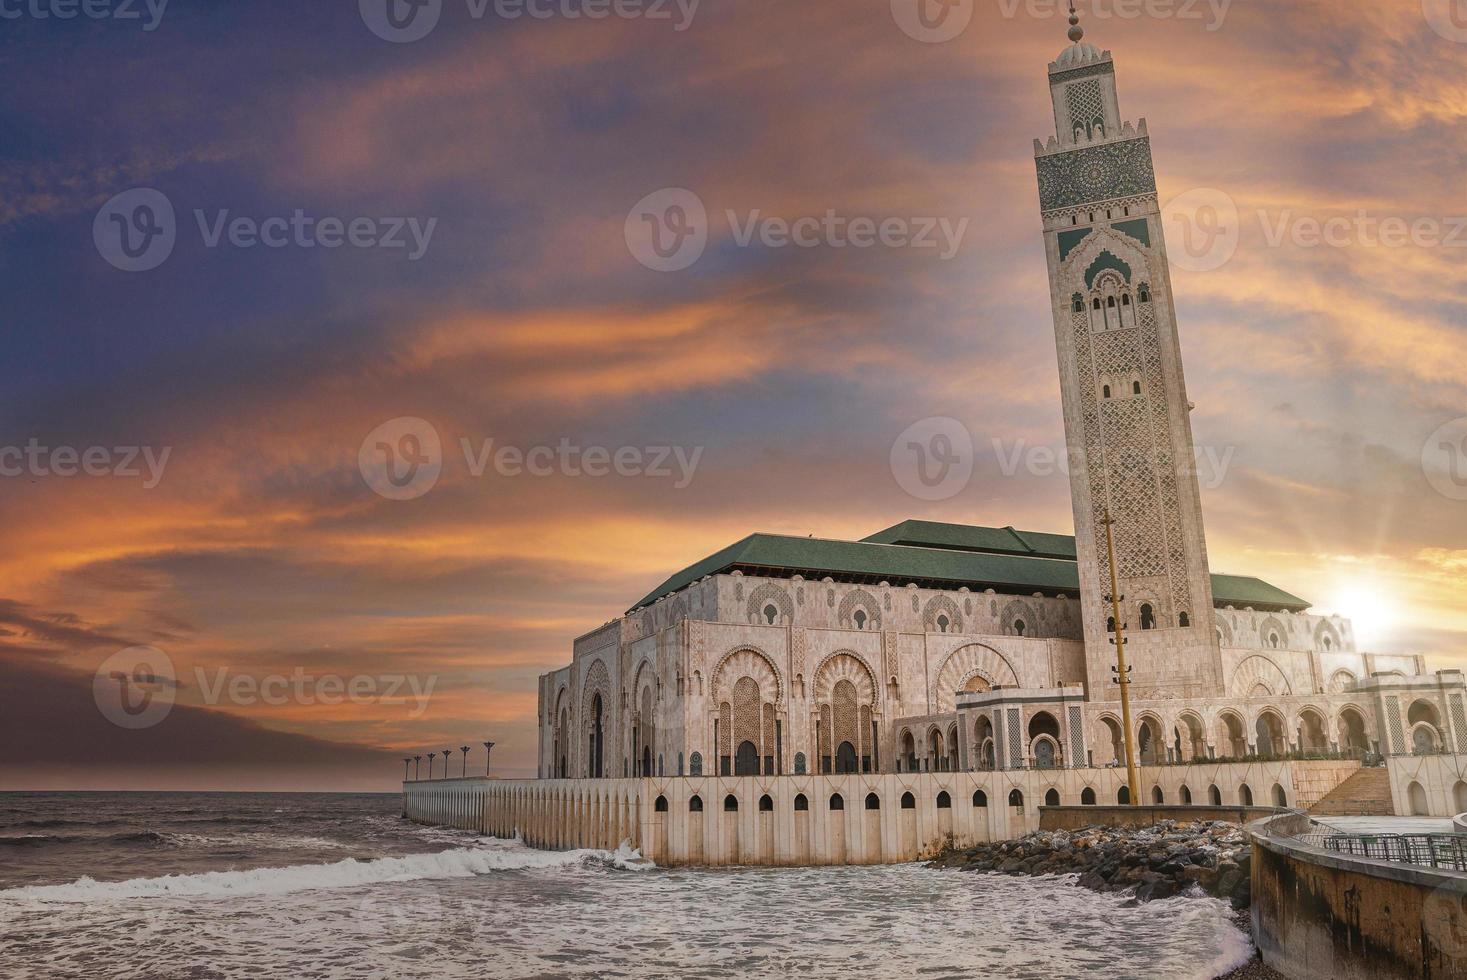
[1443,851]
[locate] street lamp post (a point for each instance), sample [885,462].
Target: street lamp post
[465,750]
[405,764]
[487,747]
[447,754]
[1122,671]
[431,757]
[416,759]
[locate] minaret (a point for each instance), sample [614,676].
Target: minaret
[1125,400]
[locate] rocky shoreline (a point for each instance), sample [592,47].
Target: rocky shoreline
[1171,858]
[1157,862]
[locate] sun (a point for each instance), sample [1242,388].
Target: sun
[1372,612]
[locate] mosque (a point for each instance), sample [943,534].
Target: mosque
[934,663]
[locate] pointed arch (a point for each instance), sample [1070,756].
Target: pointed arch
[1259,674]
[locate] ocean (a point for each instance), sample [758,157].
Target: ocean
[222,885]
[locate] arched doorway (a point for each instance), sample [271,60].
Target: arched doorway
[746,760]
[1351,729]
[594,767]
[845,758]
[1416,794]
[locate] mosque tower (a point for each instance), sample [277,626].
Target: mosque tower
[1125,400]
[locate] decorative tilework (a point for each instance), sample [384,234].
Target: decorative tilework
[1095,174]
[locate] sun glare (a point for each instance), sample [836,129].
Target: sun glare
[1372,613]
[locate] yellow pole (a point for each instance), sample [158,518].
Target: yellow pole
[1122,677]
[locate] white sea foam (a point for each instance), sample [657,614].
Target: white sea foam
[458,863]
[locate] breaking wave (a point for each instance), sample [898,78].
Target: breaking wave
[464,862]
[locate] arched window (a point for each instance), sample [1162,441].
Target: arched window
[799,763]
[1097,303]
[873,802]
[980,798]
[909,802]
[1186,796]
[837,802]
[1087,797]
[1148,616]
[1110,303]
[661,805]
[1158,798]
[695,805]
[730,804]
[801,803]
[1106,391]
[1280,798]
[1136,388]
[943,623]
[1019,627]
[1016,799]
[1110,624]
[860,618]
[944,802]
[1183,620]
[766,804]
[695,764]
[771,613]
[1052,798]
[1145,295]
[1273,640]
[1245,795]
[1123,796]
[1079,303]
[1125,299]
[1214,796]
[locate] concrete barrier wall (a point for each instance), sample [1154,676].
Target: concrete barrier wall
[602,813]
[1459,823]
[1075,817]
[1318,915]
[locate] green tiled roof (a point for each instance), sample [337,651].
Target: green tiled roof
[967,537]
[950,555]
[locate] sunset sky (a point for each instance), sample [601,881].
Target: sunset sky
[1320,371]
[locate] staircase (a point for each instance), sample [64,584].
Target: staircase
[1366,793]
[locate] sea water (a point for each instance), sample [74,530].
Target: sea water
[339,886]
